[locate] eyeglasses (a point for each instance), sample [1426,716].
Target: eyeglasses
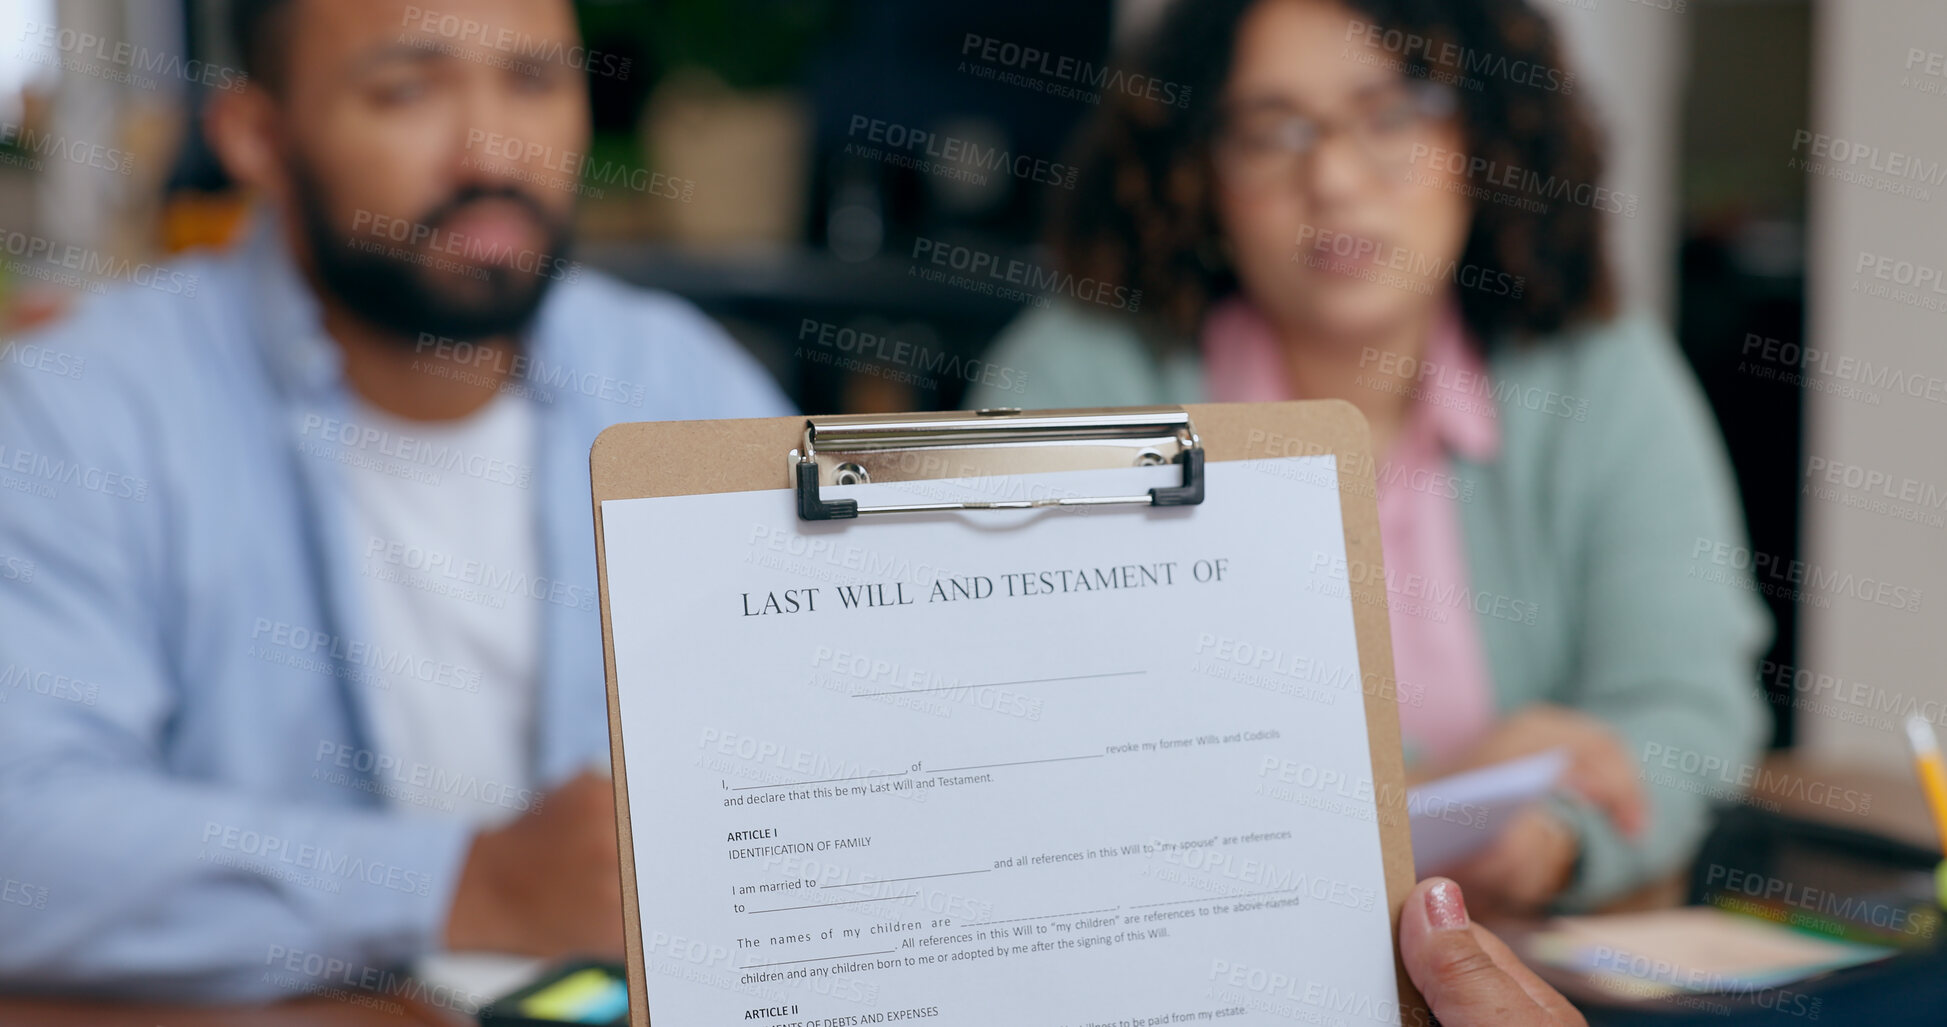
[1268,146]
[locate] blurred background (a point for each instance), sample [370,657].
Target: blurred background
[740,162]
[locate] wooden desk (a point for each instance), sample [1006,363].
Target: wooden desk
[1825,793]
[1894,805]
[348,1011]
[1790,784]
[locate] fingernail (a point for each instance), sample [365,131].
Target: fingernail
[1445,909]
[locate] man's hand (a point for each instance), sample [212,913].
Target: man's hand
[1468,976]
[546,884]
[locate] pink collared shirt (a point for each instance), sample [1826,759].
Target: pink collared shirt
[1437,652]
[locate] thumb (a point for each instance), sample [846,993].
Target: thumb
[1462,983]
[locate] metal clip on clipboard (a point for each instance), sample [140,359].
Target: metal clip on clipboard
[856,450]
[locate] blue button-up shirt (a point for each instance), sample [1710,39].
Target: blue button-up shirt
[189,801]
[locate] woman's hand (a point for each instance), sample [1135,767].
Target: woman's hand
[1534,858]
[1599,768]
[1469,978]
[1531,862]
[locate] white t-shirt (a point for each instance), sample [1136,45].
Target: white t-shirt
[444,523]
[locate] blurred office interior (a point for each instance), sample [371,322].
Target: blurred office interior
[775,225]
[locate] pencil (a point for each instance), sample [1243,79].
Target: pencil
[1933,776]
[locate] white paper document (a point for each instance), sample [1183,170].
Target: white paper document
[1456,816]
[1072,769]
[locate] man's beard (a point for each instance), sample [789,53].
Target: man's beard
[370,274]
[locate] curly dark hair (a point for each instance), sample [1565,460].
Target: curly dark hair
[1141,212]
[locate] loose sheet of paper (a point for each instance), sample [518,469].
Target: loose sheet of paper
[1694,948]
[1458,815]
[1033,768]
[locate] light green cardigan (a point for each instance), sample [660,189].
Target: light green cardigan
[1610,481]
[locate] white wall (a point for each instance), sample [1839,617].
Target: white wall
[1630,59]
[1864,93]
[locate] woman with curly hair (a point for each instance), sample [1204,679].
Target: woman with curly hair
[1397,203]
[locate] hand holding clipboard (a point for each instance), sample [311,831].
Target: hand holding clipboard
[979,769]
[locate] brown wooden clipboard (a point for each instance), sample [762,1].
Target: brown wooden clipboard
[681,458]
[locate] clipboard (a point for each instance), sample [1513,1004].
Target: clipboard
[680,458]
